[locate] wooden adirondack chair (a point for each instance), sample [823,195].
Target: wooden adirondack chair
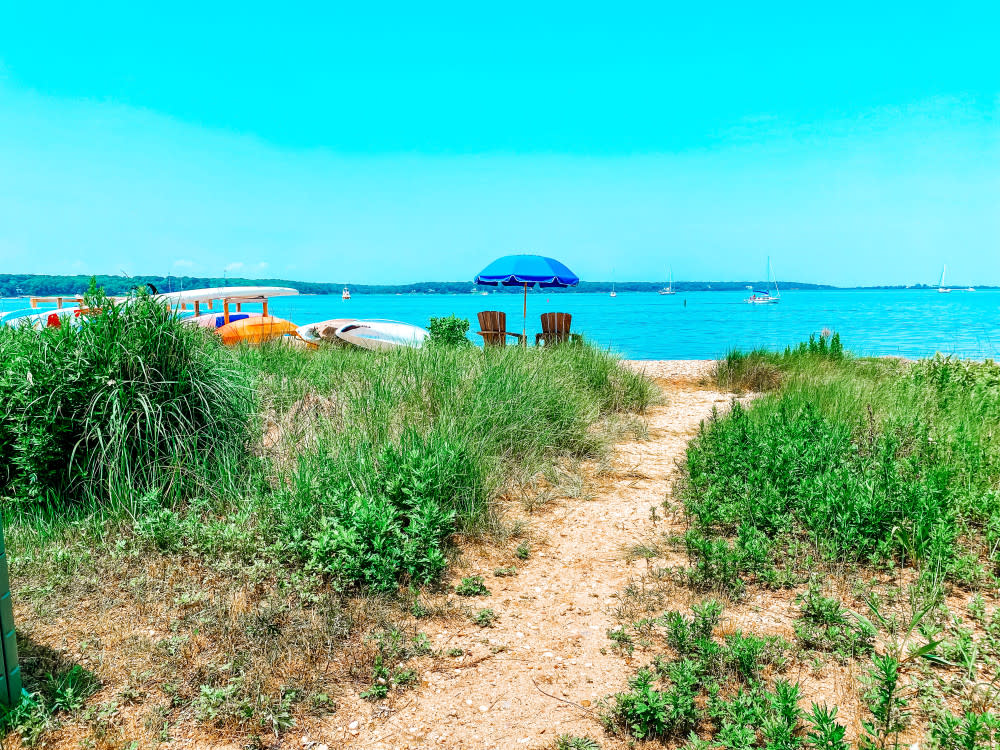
[555,330]
[493,329]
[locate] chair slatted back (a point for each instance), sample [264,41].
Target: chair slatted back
[493,327]
[556,326]
[493,321]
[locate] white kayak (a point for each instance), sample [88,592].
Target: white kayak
[382,334]
[231,293]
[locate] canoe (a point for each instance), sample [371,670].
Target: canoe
[255,330]
[379,335]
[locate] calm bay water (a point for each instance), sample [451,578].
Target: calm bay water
[702,325]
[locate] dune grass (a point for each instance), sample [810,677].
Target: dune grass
[259,511]
[128,404]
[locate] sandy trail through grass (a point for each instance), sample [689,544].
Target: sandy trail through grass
[545,663]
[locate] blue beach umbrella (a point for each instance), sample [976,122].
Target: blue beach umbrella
[525,271]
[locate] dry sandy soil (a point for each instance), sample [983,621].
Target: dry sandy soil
[540,670]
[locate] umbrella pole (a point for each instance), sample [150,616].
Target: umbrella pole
[524,320]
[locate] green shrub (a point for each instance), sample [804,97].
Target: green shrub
[643,710]
[449,331]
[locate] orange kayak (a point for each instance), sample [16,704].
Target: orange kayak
[255,330]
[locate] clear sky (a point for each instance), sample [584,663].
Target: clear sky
[854,143]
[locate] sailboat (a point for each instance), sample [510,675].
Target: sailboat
[670,286]
[346,294]
[765,297]
[613,292]
[942,289]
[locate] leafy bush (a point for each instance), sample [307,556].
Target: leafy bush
[699,685]
[449,331]
[644,711]
[485,618]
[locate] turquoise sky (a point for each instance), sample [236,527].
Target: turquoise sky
[853,143]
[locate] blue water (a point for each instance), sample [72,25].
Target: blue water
[702,325]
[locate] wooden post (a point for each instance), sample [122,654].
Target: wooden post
[524,320]
[59,303]
[239,307]
[197,308]
[265,308]
[225,311]
[10,682]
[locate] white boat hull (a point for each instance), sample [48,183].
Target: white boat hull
[381,335]
[324,330]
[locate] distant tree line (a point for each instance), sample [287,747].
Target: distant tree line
[13,285]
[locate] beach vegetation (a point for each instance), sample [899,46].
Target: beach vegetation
[262,518]
[485,618]
[449,331]
[472,586]
[868,486]
[129,405]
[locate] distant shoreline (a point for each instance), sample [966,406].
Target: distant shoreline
[21,285]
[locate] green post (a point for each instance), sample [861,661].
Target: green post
[10,680]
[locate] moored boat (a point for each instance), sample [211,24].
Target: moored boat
[765,297]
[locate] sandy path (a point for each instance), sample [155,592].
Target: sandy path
[553,616]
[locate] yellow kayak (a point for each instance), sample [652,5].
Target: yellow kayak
[255,330]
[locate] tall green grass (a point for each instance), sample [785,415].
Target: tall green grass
[126,404]
[388,453]
[353,464]
[869,461]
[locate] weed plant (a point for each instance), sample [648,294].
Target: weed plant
[711,684]
[872,462]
